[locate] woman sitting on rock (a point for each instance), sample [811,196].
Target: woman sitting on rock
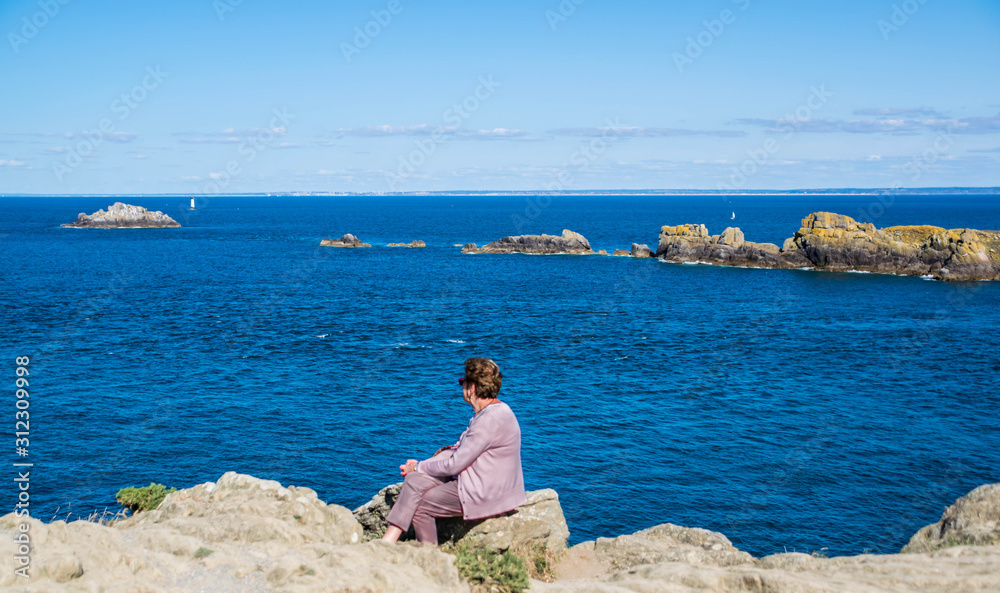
[477,477]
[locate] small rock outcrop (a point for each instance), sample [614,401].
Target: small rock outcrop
[410,244]
[539,522]
[347,240]
[568,242]
[640,250]
[974,520]
[692,243]
[372,515]
[621,253]
[834,242]
[662,543]
[124,216]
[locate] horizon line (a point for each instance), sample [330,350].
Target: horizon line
[607,192]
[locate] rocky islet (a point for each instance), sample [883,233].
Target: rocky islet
[348,240]
[123,216]
[838,243]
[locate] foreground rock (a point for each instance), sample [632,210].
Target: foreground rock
[568,242]
[410,244]
[966,569]
[540,522]
[347,240]
[669,558]
[835,242]
[974,520]
[124,216]
[237,534]
[662,543]
[244,534]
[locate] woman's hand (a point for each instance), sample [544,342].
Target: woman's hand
[407,467]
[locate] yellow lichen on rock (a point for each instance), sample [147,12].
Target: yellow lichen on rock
[685,230]
[835,242]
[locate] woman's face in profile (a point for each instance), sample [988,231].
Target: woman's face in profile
[468,392]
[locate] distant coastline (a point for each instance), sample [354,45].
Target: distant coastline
[976,191]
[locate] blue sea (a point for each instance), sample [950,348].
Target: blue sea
[789,410]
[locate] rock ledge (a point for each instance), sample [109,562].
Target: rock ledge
[347,240]
[568,242]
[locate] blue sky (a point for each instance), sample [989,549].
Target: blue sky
[203,96]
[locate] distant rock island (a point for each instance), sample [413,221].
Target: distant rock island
[242,533]
[413,244]
[835,242]
[124,216]
[568,242]
[347,240]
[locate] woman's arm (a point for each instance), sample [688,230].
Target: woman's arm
[442,449]
[478,438]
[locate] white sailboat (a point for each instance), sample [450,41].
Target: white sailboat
[192,203]
[733,217]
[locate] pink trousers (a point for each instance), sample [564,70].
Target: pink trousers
[423,498]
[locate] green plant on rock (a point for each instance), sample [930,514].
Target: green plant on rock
[202,553]
[145,498]
[489,570]
[541,562]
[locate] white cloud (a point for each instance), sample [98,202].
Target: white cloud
[643,132]
[230,135]
[425,130]
[881,124]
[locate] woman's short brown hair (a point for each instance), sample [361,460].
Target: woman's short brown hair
[486,376]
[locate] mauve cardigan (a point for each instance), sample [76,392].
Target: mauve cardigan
[487,461]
